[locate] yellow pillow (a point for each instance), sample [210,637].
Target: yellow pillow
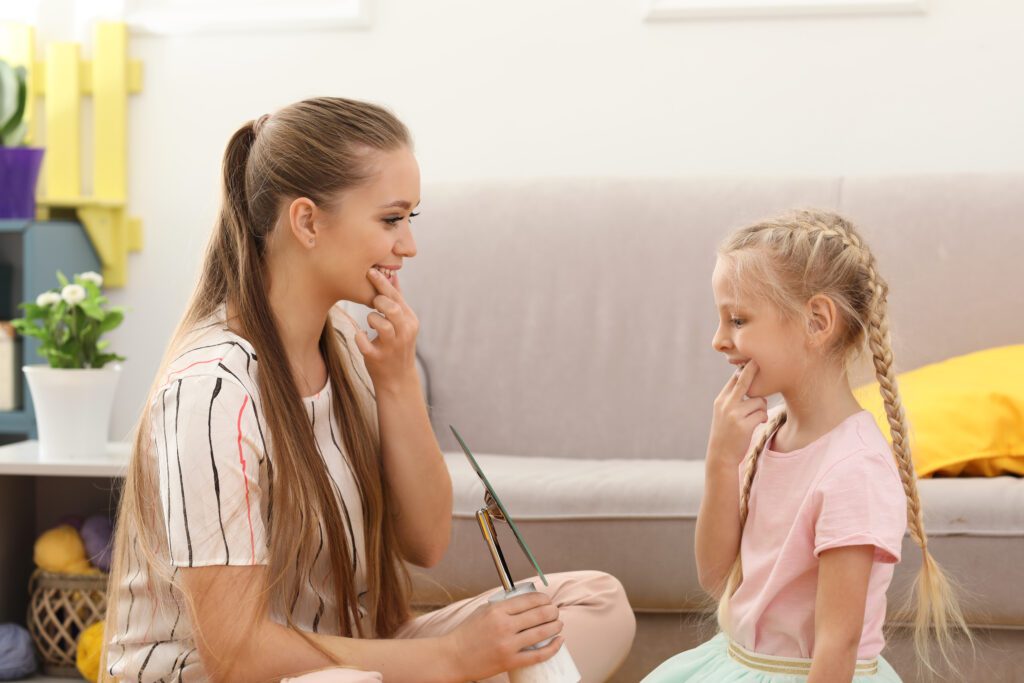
[966,414]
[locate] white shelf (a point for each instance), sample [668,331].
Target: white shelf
[22,458]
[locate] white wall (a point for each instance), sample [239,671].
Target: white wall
[570,87]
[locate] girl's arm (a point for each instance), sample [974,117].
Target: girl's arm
[421,489]
[843,575]
[717,538]
[237,642]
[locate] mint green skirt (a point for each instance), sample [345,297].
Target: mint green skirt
[719,661]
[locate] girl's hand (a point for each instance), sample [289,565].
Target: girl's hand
[391,357]
[492,640]
[735,418]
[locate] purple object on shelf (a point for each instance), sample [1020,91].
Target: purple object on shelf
[19,172]
[72,520]
[17,654]
[97,533]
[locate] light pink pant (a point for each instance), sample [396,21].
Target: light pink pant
[598,627]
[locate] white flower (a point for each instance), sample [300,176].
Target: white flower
[73,294]
[92,277]
[47,299]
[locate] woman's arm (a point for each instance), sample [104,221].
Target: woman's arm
[237,642]
[421,489]
[843,575]
[717,538]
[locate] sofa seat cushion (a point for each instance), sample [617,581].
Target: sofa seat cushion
[636,518]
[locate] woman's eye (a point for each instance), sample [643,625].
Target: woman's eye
[395,220]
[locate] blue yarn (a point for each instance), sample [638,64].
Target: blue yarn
[17,655]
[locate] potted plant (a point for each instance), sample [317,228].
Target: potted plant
[74,393]
[19,165]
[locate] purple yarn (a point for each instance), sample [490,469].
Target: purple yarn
[96,535]
[17,656]
[71,520]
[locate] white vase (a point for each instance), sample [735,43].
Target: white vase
[73,409]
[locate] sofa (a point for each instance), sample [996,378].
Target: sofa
[566,332]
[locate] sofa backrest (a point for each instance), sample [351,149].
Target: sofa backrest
[574,317]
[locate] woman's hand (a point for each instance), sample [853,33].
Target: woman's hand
[492,640]
[735,418]
[391,357]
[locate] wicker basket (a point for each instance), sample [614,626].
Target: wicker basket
[60,608]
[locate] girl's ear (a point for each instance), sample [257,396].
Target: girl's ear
[822,319]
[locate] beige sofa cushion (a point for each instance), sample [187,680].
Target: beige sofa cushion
[636,518]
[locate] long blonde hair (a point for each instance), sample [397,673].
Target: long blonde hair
[316,149]
[793,258]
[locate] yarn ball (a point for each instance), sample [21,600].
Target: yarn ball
[90,646]
[96,534]
[61,550]
[17,655]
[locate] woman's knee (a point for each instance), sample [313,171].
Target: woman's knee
[619,606]
[605,595]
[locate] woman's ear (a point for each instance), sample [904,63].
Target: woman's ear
[822,319]
[302,221]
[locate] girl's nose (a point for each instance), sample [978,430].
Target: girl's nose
[720,342]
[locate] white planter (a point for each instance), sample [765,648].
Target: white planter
[72,409]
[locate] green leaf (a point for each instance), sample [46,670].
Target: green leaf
[112,319]
[8,94]
[33,311]
[13,127]
[91,290]
[92,310]
[16,136]
[104,358]
[62,279]
[35,332]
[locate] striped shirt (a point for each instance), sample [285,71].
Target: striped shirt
[214,461]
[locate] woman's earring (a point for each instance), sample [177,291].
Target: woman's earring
[311,241]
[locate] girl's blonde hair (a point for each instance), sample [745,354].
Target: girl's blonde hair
[789,260]
[315,148]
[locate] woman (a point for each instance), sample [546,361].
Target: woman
[285,466]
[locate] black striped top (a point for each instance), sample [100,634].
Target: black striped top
[214,461]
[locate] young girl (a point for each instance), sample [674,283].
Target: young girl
[798,540]
[285,467]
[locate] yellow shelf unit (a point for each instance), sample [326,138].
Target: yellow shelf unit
[62,79]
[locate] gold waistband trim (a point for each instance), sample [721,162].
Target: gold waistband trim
[788,665]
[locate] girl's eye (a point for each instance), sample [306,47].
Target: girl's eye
[737,322]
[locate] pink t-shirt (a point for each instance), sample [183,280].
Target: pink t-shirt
[842,489]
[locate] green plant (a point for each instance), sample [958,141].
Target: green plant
[13,96]
[69,322]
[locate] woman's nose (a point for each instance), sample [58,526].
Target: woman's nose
[406,244]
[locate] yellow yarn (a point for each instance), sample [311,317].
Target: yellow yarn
[90,646]
[61,550]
